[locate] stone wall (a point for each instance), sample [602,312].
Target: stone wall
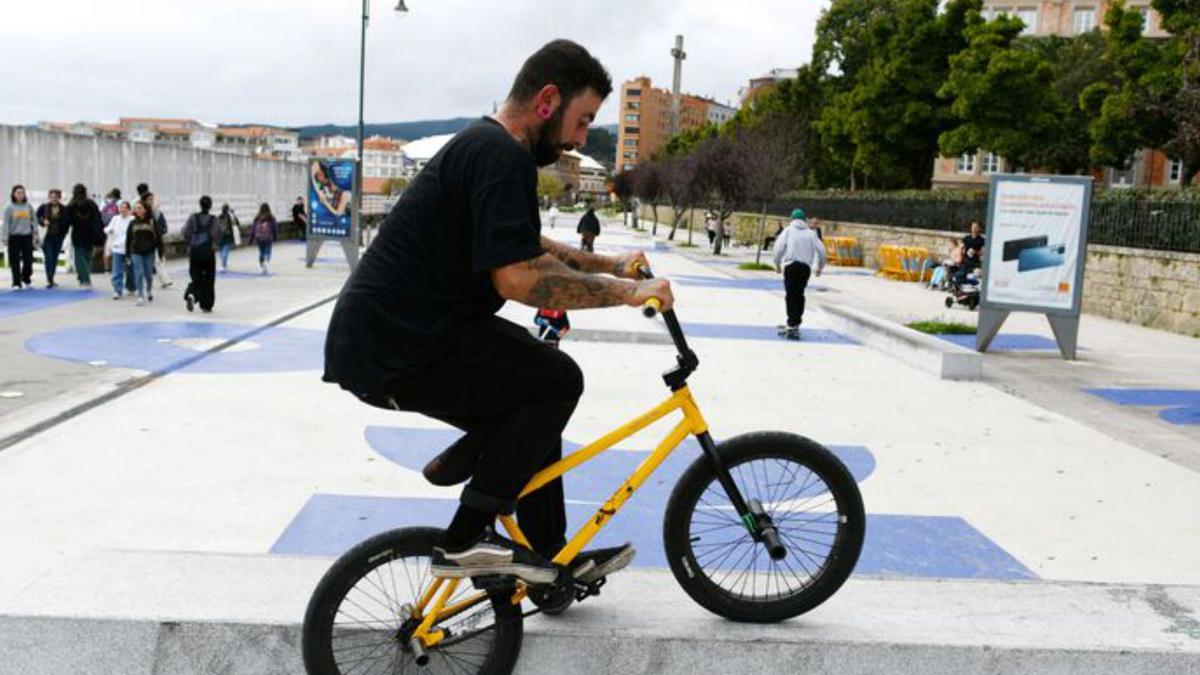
[1158,289]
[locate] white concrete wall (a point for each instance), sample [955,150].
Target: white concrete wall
[178,175]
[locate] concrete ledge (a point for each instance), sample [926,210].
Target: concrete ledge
[131,613]
[946,360]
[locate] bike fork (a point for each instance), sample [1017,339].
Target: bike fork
[752,513]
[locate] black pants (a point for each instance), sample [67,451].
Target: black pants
[513,395]
[202,265]
[20,258]
[795,280]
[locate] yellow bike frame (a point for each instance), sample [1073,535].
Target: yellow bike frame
[692,424]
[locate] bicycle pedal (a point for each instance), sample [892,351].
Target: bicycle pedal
[584,591]
[494,583]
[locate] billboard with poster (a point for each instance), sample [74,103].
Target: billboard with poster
[1036,243]
[331,196]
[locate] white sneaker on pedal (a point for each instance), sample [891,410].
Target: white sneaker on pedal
[492,555]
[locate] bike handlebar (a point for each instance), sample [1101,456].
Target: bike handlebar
[651,308]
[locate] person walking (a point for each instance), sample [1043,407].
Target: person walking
[82,218]
[231,233]
[111,206]
[201,233]
[300,218]
[160,222]
[796,249]
[116,231]
[589,229]
[20,231]
[49,216]
[142,242]
[263,232]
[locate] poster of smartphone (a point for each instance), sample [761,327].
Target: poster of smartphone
[1036,242]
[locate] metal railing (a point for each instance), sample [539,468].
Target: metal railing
[1153,225]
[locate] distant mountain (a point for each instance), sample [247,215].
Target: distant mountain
[408,131]
[602,141]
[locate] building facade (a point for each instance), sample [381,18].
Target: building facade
[1065,18]
[261,141]
[644,120]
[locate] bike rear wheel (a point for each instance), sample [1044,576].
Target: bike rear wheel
[813,502]
[357,619]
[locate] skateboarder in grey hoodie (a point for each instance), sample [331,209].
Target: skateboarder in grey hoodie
[796,249]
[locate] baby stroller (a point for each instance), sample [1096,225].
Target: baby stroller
[964,289]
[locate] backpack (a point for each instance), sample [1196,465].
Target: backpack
[202,242]
[262,229]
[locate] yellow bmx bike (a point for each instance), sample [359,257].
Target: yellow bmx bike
[761,527]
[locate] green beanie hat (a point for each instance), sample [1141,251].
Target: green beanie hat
[798,214]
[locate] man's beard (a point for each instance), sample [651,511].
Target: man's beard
[547,148]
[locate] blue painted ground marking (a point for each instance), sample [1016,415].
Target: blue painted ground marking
[1181,406]
[136,345]
[738,284]
[1007,342]
[943,547]
[325,261]
[14,302]
[912,546]
[595,481]
[723,331]
[234,274]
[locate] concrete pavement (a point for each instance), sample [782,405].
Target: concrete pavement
[245,454]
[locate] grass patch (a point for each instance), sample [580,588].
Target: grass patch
[756,267]
[941,328]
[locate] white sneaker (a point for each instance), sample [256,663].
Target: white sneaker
[116,296]
[141,302]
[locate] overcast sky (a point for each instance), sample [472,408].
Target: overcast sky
[294,62]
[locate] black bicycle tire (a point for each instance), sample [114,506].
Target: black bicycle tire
[353,565]
[843,555]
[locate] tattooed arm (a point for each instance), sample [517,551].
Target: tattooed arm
[623,266]
[548,282]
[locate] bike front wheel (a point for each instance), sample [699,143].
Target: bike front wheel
[359,619]
[813,502]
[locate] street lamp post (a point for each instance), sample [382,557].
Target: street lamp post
[400,8]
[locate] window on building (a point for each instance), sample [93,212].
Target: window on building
[991,163]
[633,105]
[633,92]
[966,164]
[632,117]
[1085,20]
[1028,16]
[631,142]
[1122,178]
[626,167]
[630,155]
[1174,171]
[631,130]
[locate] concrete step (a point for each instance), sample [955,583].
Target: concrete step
[162,613]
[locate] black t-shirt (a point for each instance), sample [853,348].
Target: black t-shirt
[975,244]
[297,213]
[472,209]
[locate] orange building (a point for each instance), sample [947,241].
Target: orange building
[645,118]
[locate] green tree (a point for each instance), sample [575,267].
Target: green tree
[1075,63]
[1133,110]
[549,186]
[394,186]
[885,115]
[1002,95]
[1182,19]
